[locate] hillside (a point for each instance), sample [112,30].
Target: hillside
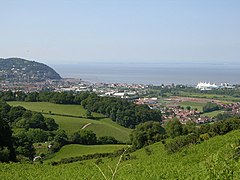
[102,126]
[208,160]
[21,70]
[75,150]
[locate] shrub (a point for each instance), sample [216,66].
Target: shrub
[174,145]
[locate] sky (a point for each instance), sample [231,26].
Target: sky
[121,31]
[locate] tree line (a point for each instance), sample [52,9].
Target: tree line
[175,135]
[119,110]
[19,129]
[177,89]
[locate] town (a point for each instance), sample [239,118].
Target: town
[170,107]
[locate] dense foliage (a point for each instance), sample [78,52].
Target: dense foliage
[174,128]
[28,126]
[119,110]
[209,107]
[147,133]
[202,133]
[7,152]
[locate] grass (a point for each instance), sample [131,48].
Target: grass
[193,105]
[213,114]
[41,148]
[102,127]
[75,150]
[224,98]
[46,107]
[193,162]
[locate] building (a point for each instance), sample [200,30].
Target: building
[206,86]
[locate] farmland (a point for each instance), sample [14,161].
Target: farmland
[102,127]
[74,150]
[193,105]
[223,98]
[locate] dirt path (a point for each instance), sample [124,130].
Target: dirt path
[86,125]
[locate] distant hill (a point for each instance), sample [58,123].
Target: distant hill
[22,70]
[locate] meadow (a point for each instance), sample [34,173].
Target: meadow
[51,108]
[193,105]
[213,114]
[211,159]
[101,127]
[223,98]
[75,150]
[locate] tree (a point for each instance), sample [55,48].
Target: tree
[147,133]
[209,107]
[7,152]
[37,135]
[37,121]
[61,137]
[174,128]
[51,125]
[88,137]
[16,112]
[4,110]
[89,114]
[84,137]
[107,140]
[188,108]
[189,127]
[23,145]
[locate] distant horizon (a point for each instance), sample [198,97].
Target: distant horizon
[107,31]
[147,73]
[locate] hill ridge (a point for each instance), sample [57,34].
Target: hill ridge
[22,70]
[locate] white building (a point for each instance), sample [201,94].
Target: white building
[206,86]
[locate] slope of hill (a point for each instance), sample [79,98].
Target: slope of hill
[75,150]
[211,159]
[101,127]
[21,70]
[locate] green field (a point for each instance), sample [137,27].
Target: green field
[223,98]
[102,127]
[213,114]
[208,160]
[75,150]
[46,107]
[193,105]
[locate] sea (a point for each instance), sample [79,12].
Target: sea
[152,73]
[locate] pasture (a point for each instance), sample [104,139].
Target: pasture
[193,105]
[222,98]
[213,114]
[75,150]
[50,108]
[102,127]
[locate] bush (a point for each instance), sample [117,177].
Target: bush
[174,145]
[147,133]
[107,140]
[209,107]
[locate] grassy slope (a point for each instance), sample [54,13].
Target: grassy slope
[45,107]
[74,150]
[190,163]
[102,127]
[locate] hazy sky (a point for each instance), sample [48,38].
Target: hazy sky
[75,31]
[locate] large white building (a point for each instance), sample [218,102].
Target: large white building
[206,86]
